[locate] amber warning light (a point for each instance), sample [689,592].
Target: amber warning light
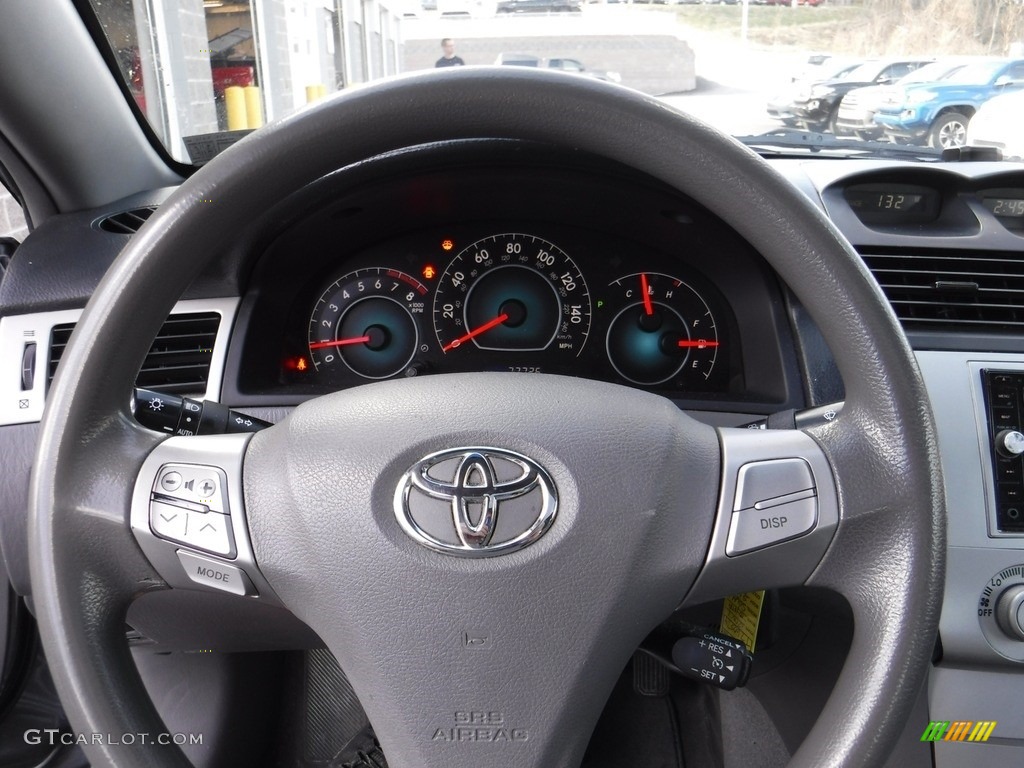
[429,272]
[447,245]
[296,364]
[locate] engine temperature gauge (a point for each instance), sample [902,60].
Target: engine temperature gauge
[662,329]
[366,320]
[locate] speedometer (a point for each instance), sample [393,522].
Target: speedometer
[512,292]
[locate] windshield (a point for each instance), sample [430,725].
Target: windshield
[930,73]
[980,72]
[203,73]
[865,73]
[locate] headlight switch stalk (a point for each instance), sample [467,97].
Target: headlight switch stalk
[185,417]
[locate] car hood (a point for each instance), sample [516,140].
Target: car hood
[846,86]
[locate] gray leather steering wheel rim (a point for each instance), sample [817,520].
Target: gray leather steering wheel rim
[887,557]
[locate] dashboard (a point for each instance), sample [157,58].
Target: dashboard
[594,272]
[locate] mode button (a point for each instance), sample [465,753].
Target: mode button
[211,573]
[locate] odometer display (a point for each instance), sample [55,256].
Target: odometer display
[512,293]
[893,204]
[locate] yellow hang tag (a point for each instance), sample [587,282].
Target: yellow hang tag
[740,616]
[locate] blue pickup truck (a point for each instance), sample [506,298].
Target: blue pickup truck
[938,113]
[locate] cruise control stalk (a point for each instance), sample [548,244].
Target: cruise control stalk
[175,415]
[713,658]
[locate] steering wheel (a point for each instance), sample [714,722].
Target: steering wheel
[650,504]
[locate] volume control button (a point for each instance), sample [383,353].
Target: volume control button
[1010,443]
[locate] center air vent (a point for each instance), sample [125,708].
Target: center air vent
[980,291]
[177,363]
[126,222]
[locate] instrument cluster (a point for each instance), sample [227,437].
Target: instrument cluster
[517,300]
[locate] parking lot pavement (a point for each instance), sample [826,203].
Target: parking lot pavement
[734,82]
[739,114]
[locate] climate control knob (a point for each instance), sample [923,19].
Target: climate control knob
[1001,612]
[1010,612]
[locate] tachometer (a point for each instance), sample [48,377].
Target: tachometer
[366,320]
[512,292]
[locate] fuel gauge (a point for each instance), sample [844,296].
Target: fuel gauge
[663,329]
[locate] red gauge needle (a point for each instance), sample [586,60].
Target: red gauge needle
[648,307]
[699,343]
[476,332]
[340,342]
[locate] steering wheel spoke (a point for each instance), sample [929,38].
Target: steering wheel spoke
[777,512]
[188,516]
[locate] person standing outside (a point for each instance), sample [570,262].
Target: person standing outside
[449,59]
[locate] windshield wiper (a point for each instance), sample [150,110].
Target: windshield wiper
[832,146]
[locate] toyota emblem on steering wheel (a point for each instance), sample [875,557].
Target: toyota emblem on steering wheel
[475,502]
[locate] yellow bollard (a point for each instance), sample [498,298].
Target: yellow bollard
[234,100]
[315,92]
[253,106]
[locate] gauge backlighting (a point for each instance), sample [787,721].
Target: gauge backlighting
[367,321]
[512,292]
[662,330]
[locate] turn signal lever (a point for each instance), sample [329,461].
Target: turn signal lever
[809,417]
[183,416]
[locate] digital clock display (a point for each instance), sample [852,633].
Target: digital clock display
[1007,207]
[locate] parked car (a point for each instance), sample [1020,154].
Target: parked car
[561,63]
[819,111]
[998,123]
[937,114]
[782,105]
[856,115]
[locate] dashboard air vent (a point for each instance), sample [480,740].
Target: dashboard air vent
[177,363]
[981,291]
[127,222]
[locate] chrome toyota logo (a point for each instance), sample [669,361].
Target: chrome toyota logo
[475,502]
